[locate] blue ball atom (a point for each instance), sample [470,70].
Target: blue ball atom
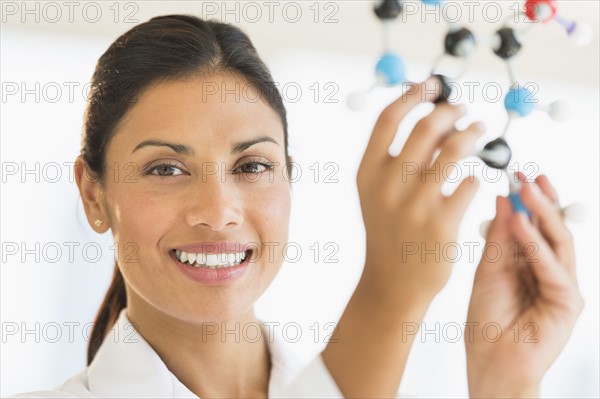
[520,100]
[390,69]
[517,204]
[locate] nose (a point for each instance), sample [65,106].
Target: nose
[215,204]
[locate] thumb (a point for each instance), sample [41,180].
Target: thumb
[499,231]
[498,237]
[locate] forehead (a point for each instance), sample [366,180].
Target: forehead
[212,109]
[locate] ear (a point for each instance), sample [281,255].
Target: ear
[90,190]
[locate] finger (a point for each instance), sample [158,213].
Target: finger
[499,230]
[457,204]
[551,224]
[498,235]
[552,277]
[428,133]
[544,184]
[460,144]
[521,177]
[387,124]
[456,146]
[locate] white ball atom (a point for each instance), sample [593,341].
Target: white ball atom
[575,212]
[582,34]
[560,110]
[356,101]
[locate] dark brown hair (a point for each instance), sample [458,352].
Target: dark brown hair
[170,47]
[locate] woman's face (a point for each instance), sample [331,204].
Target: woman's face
[201,189]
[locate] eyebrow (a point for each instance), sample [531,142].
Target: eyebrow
[185,150]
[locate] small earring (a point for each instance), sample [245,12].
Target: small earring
[98,222]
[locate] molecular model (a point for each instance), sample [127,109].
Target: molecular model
[460,43]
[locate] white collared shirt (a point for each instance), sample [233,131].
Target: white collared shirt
[126,366]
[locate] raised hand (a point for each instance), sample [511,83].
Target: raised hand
[525,298]
[404,213]
[403,209]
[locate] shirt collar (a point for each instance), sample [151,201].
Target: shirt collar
[127,366]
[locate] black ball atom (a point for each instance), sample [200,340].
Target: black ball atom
[455,42]
[388,9]
[446,89]
[509,44]
[496,154]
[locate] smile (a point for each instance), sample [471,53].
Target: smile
[220,273]
[212,261]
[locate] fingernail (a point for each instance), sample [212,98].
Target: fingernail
[536,190]
[538,178]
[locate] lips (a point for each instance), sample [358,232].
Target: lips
[211,276]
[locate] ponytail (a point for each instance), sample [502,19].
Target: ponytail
[114,301]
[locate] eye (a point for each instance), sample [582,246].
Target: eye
[164,169]
[255,167]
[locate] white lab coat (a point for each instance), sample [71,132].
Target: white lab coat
[130,368]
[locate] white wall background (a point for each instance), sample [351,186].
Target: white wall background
[46,131]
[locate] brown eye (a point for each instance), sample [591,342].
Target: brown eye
[164,170]
[255,167]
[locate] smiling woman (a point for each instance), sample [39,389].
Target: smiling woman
[174,202]
[170,165]
[173,132]
[185,159]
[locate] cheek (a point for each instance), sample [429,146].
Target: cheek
[138,223]
[271,211]
[271,217]
[139,220]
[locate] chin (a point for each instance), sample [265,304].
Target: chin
[221,308]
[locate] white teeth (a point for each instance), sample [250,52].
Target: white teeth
[213,261]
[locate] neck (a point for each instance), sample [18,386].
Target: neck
[212,359]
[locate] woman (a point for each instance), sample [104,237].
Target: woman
[191,182]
